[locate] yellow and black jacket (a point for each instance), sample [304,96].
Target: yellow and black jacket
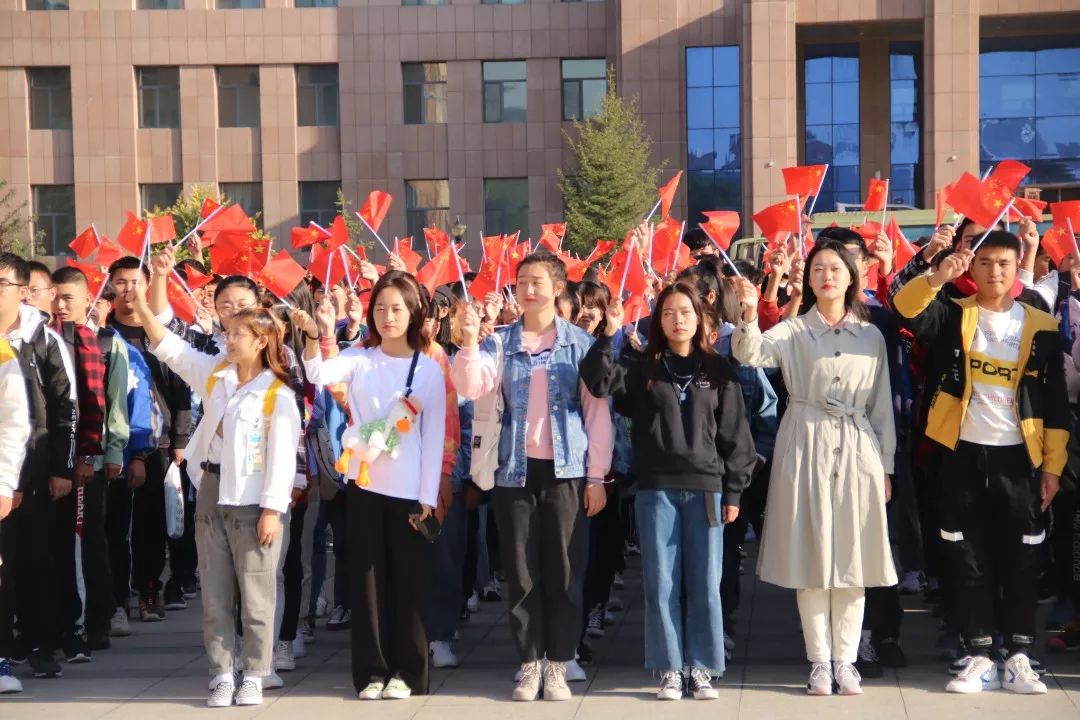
[947,327]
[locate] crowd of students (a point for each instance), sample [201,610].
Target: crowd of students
[830,404]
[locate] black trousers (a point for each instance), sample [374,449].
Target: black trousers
[337,516]
[605,552]
[294,574]
[148,537]
[388,580]
[883,613]
[183,557]
[118,497]
[993,532]
[97,572]
[544,538]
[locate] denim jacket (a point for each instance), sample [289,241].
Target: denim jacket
[569,439]
[463,462]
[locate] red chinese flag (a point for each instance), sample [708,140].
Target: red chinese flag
[868,230]
[196,279]
[1009,174]
[410,257]
[441,269]
[1058,243]
[627,272]
[85,243]
[721,226]
[602,248]
[108,253]
[436,239]
[1026,208]
[972,198]
[94,276]
[779,219]
[132,236]
[282,274]
[803,180]
[667,195]
[236,253]
[182,304]
[209,205]
[162,229]
[903,250]
[375,208]
[328,261]
[1068,210]
[875,195]
[551,236]
[231,219]
[941,201]
[515,254]
[302,237]
[666,241]
[634,308]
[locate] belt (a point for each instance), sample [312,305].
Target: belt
[211,467]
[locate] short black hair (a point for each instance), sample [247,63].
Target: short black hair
[236,281]
[129,263]
[556,268]
[702,278]
[843,235]
[108,293]
[17,265]
[36,266]
[695,238]
[68,275]
[1000,239]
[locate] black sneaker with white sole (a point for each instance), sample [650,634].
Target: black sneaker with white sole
[44,665]
[76,650]
[174,597]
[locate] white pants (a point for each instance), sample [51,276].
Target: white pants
[831,623]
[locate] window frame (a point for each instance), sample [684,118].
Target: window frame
[502,226]
[323,215]
[499,86]
[56,237]
[54,95]
[419,217]
[157,91]
[578,84]
[319,111]
[429,90]
[237,90]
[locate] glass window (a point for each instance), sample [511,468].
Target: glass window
[238,96]
[317,95]
[713,130]
[427,203]
[424,91]
[584,83]
[238,4]
[506,205]
[318,202]
[905,141]
[248,195]
[50,98]
[413,3]
[159,97]
[831,118]
[158,196]
[505,99]
[46,5]
[1029,106]
[54,213]
[160,5]
[316,3]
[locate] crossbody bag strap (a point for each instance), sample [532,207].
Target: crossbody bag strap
[412,372]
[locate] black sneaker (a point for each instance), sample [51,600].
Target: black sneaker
[21,650]
[174,597]
[44,665]
[891,654]
[190,591]
[98,642]
[584,654]
[868,663]
[75,650]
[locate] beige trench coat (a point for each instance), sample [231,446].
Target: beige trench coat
[825,521]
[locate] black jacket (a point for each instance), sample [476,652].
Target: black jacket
[704,443]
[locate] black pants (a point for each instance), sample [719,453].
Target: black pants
[993,532]
[388,578]
[294,574]
[605,552]
[118,497]
[883,613]
[97,573]
[148,538]
[183,557]
[31,578]
[544,538]
[339,523]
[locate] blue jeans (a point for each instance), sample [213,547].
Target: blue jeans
[681,557]
[448,558]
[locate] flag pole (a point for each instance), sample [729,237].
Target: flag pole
[345,266]
[1069,227]
[329,266]
[675,255]
[199,224]
[885,205]
[991,228]
[821,183]
[101,290]
[653,211]
[374,233]
[145,246]
[457,262]
[723,253]
[960,216]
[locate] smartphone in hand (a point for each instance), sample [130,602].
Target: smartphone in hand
[428,528]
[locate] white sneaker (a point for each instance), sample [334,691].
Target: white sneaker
[594,628]
[701,685]
[671,686]
[848,680]
[299,647]
[396,689]
[8,682]
[221,695]
[273,681]
[1020,678]
[373,691]
[979,674]
[528,682]
[821,679]
[339,619]
[912,583]
[442,655]
[574,672]
[321,606]
[249,693]
[555,687]
[473,603]
[284,660]
[118,624]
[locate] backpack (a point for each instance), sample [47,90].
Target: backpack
[322,439]
[487,425]
[145,418]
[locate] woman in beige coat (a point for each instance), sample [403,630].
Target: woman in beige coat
[825,530]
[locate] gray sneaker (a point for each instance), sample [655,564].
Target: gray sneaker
[528,685]
[221,695]
[555,687]
[249,693]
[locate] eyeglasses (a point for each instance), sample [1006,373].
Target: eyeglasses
[35,291]
[8,284]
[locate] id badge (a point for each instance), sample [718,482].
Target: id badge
[255,450]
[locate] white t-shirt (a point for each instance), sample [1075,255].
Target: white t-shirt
[993,361]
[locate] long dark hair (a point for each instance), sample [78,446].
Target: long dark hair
[852,302]
[658,343]
[302,299]
[594,295]
[409,288]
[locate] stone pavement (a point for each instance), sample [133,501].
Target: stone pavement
[160,674]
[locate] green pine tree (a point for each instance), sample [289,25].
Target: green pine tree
[15,225]
[614,184]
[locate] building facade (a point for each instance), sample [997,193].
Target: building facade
[458,107]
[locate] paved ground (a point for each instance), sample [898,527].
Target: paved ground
[160,674]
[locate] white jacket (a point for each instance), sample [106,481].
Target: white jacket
[14,420]
[268,482]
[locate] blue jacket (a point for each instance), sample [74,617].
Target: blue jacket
[758,396]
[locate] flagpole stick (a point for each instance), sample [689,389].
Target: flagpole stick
[991,228]
[821,184]
[457,262]
[653,211]
[145,246]
[101,290]
[396,252]
[375,233]
[675,254]
[483,250]
[885,205]
[637,318]
[97,238]
[345,266]
[724,255]
[625,270]
[1076,248]
[960,216]
[329,266]
[199,224]
[352,252]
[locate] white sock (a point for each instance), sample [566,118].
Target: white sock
[224,678]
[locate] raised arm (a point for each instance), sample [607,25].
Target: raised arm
[473,371]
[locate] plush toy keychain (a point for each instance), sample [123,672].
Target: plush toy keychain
[372,439]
